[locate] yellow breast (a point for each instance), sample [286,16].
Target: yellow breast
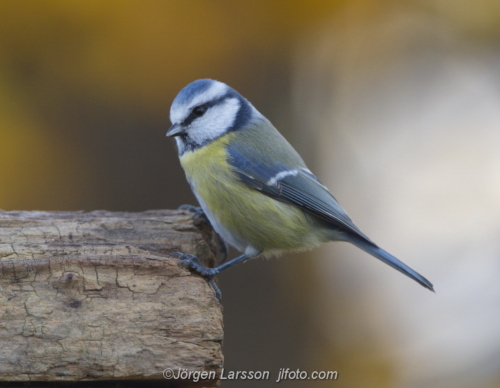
[249,215]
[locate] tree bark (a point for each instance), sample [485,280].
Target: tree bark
[97,296]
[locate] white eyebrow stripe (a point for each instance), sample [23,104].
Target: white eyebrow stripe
[218,89]
[279,176]
[180,111]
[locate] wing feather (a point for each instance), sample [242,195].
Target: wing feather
[300,188]
[297,186]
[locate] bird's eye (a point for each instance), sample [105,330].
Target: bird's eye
[199,110]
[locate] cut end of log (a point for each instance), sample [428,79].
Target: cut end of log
[98,296]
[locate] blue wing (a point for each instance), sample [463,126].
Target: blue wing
[296,186]
[299,187]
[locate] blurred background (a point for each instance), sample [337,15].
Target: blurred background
[395,105]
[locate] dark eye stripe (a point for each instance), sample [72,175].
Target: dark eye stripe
[200,110]
[195,113]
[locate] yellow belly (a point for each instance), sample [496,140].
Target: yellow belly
[260,221]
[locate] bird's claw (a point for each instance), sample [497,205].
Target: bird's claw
[216,289]
[192,263]
[193,209]
[198,212]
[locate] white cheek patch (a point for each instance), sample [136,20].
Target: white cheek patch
[215,122]
[178,113]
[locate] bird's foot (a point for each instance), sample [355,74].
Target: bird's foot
[192,263]
[193,209]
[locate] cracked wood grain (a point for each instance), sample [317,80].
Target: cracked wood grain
[96,296]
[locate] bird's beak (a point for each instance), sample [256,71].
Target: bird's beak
[175,130]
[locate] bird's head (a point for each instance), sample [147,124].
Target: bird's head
[205,110]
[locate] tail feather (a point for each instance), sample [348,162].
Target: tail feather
[387,258]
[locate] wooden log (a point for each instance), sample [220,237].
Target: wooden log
[97,296]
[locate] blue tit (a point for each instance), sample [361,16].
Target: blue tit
[253,186]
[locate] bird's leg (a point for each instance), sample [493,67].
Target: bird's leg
[198,211]
[192,263]
[222,249]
